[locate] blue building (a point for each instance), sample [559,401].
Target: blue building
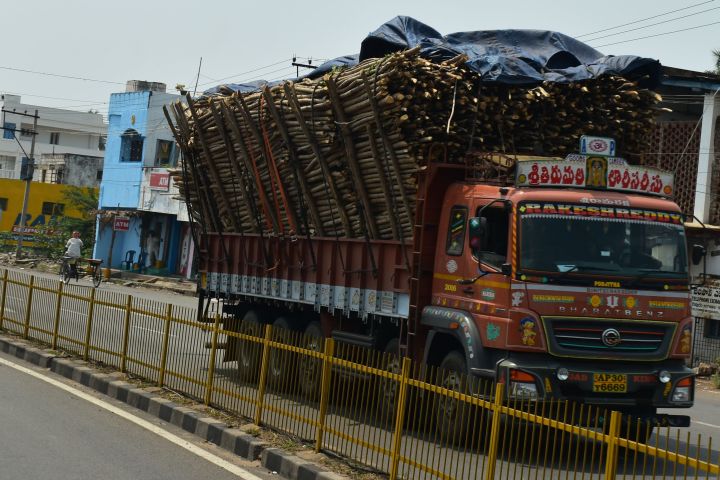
[151,233]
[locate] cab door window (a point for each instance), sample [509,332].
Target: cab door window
[495,244]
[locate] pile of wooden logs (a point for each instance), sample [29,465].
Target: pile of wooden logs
[339,156]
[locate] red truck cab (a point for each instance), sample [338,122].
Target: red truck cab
[564,292]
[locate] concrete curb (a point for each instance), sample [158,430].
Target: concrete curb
[207,428]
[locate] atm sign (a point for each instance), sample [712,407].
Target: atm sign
[160,181]
[121,224]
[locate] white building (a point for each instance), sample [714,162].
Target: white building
[59,132]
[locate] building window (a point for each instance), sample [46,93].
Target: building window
[99,175]
[9,130]
[50,208]
[131,146]
[712,328]
[7,162]
[101,142]
[3,204]
[54,138]
[456,231]
[26,131]
[164,154]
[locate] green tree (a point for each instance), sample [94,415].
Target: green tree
[716,55]
[50,240]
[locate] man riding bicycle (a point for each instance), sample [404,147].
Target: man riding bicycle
[74,250]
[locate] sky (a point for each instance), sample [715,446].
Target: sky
[74,53]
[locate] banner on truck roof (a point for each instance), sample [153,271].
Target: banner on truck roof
[592,172]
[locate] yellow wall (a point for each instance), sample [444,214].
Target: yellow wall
[14,190]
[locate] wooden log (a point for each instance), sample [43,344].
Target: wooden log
[297,171]
[388,148]
[234,164]
[290,94]
[207,206]
[358,181]
[260,187]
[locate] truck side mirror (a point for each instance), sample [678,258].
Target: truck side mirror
[697,254]
[477,229]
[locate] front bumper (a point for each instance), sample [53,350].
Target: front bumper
[643,391]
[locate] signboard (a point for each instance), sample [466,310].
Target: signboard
[160,181]
[597,146]
[706,301]
[601,173]
[121,224]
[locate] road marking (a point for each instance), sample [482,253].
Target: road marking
[214,459]
[705,424]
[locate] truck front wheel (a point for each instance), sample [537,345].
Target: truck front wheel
[449,416]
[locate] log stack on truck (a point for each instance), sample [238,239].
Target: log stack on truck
[462,200]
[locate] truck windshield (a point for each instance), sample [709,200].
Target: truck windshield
[610,241]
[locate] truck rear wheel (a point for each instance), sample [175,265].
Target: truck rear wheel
[281,363]
[389,388]
[250,352]
[310,368]
[450,420]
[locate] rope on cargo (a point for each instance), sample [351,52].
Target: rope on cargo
[275,177]
[325,184]
[301,204]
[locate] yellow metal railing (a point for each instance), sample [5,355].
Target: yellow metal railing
[408,420]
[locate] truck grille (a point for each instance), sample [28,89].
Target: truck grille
[620,339]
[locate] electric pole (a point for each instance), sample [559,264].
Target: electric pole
[30,168]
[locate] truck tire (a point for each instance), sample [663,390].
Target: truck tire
[310,368]
[450,420]
[281,363]
[250,353]
[391,362]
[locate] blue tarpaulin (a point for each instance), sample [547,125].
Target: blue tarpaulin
[512,57]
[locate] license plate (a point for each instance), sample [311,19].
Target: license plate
[609,383]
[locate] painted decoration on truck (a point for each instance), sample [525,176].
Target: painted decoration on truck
[592,172]
[527,331]
[320,296]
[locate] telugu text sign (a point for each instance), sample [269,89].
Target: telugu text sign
[706,301]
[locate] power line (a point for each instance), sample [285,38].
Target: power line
[656,35]
[95,102]
[652,24]
[644,19]
[71,77]
[220,80]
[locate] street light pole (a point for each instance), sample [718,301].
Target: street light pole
[28,180]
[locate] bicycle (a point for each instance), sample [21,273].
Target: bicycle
[70,268]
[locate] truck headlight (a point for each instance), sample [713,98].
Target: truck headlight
[522,385]
[683,390]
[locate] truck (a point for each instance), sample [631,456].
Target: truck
[569,279]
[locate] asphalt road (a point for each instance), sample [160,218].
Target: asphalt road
[187,356]
[61,430]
